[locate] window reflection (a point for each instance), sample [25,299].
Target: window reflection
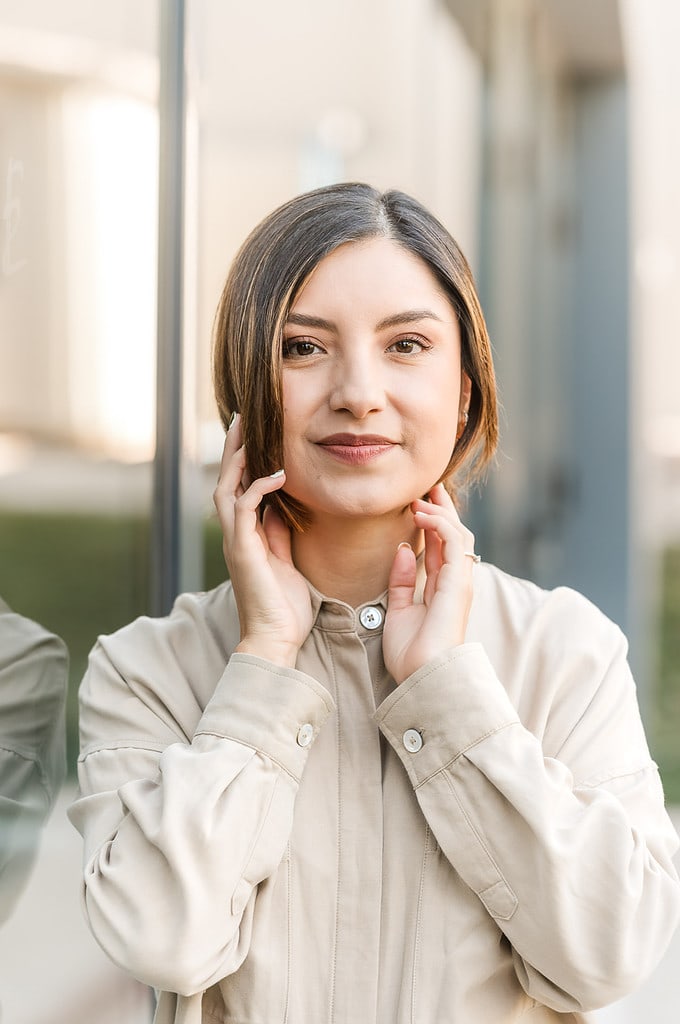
[78,215]
[33,679]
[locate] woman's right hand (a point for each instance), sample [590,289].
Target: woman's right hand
[272,597]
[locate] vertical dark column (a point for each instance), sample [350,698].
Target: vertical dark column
[166,519]
[597,530]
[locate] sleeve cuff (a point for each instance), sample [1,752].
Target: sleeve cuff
[277,711]
[443,709]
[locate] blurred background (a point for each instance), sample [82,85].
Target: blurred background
[544,133]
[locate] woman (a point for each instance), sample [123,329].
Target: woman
[369,779]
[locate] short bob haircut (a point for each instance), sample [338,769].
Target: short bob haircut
[267,274]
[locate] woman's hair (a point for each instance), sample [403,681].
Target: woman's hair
[266,276]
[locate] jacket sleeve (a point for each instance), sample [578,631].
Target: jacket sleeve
[180,829]
[563,836]
[33,679]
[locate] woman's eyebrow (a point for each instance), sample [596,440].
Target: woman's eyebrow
[304,320]
[408,316]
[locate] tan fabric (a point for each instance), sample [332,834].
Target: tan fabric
[516,867]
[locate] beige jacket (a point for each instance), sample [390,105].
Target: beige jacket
[486,843]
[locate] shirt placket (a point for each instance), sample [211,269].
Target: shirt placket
[360,828]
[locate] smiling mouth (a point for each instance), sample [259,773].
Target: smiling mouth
[356,449]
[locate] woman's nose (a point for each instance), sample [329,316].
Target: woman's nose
[357,388]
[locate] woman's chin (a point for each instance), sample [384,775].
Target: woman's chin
[356,508]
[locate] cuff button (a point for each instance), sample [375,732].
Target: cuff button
[412,740]
[305,735]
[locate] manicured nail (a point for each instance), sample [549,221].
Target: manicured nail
[404,544]
[279,472]
[232,420]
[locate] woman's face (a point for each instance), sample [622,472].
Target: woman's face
[372,382]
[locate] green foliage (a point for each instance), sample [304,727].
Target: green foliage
[77,576]
[80,576]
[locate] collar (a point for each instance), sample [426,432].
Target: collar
[367,619]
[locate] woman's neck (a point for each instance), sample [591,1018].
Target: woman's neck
[350,559]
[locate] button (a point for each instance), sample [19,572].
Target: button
[305,735]
[412,740]
[370,617]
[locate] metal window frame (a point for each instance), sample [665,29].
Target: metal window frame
[166,523]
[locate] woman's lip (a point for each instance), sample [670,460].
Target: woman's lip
[355,450]
[357,440]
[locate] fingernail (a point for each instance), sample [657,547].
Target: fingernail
[404,544]
[279,472]
[232,420]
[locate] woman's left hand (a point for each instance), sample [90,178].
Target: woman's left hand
[415,633]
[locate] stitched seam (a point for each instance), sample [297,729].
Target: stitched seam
[349,631]
[17,753]
[133,686]
[419,921]
[594,781]
[461,753]
[296,679]
[453,656]
[257,750]
[40,770]
[125,744]
[334,961]
[480,840]
[290,933]
[158,749]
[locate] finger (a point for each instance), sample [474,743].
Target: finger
[229,485]
[402,580]
[433,553]
[250,500]
[432,560]
[236,505]
[230,476]
[440,497]
[232,442]
[442,504]
[244,536]
[455,539]
[432,557]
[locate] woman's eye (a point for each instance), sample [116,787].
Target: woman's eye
[298,348]
[407,346]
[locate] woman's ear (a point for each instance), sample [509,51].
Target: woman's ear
[465,393]
[463,404]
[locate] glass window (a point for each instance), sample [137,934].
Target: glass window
[78,216]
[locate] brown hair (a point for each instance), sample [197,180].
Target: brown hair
[269,270]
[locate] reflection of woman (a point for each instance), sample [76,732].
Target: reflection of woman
[33,677]
[369,779]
